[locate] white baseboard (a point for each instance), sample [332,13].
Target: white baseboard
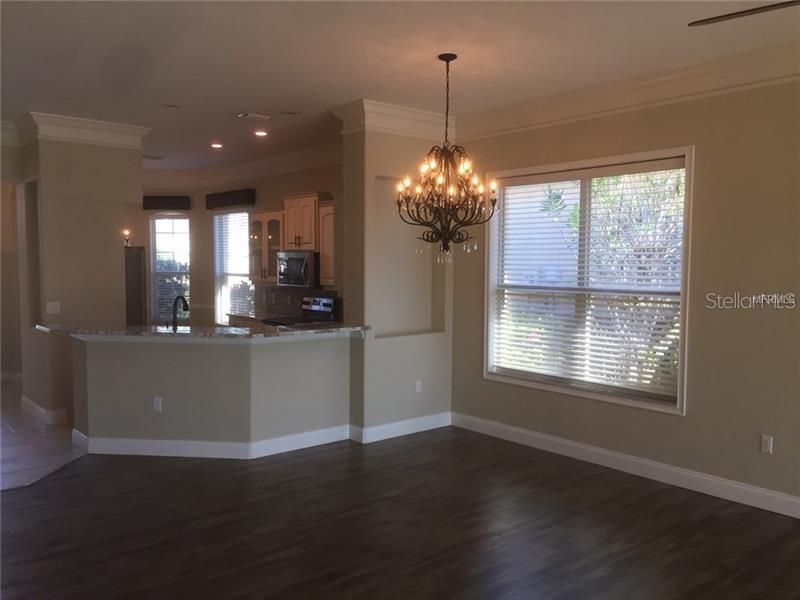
[307,439]
[778,502]
[80,441]
[246,450]
[205,449]
[398,428]
[11,377]
[45,416]
[186,448]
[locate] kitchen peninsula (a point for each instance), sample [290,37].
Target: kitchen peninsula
[221,392]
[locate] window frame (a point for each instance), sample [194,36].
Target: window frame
[219,212]
[153,254]
[556,170]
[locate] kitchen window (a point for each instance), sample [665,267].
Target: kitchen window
[170,257]
[586,280]
[233,290]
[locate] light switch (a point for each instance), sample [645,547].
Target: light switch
[53,308]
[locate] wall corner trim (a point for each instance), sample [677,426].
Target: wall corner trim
[43,415]
[62,128]
[773,501]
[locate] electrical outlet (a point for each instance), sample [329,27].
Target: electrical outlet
[766,443]
[157,404]
[419,386]
[53,308]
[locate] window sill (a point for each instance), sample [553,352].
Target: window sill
[678,409]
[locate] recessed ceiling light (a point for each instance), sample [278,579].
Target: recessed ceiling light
[260,133]
[216,145]
[171,106]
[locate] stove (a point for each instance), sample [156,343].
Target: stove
[316,310]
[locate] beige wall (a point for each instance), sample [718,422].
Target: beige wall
[70,252]
[11,358]
[205,390]
[83,191]
[270,192]
[299,386]
[216,392]
[11,163]
[743,366]
[402,295]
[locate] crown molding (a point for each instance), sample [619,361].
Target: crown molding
[205,179]
[369,115]
[772,66]
[9,135]
[60,128]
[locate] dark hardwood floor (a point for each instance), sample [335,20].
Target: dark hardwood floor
[443,514]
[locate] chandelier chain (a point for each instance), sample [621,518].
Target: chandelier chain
[446,101]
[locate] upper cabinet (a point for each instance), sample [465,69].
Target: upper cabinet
[256,247]
[326,257]
[266,240]
[300,221]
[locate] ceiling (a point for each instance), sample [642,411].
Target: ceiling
[122,61]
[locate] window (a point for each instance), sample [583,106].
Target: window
[170,265]
[233,291]
[585,281]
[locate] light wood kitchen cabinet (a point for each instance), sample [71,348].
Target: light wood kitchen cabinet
[266,240]
[300,222]
[326,236]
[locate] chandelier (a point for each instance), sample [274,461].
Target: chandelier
[448,196]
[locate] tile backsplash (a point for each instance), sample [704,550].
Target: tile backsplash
[277,300]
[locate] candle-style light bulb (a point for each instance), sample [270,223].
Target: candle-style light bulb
[418,189]
[475,180]
[480,189]
[440,179]
[400,188]
[451,190]
[493,185]
[407,181]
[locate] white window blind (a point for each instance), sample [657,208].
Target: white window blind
[585,277]
[170,265]
[233,291]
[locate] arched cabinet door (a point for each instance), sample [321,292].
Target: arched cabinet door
[273,244]
[256,248]
[266,240]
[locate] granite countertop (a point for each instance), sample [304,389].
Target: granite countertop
[255,332]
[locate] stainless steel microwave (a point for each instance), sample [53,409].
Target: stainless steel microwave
[298,269]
